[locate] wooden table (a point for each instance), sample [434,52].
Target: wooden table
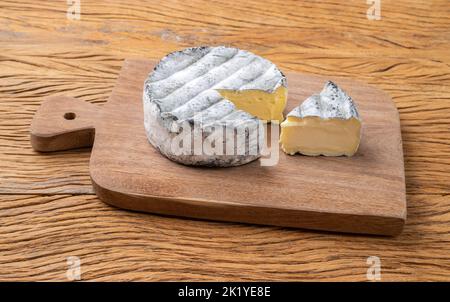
[48,211]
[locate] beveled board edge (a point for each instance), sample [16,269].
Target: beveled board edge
[236,212]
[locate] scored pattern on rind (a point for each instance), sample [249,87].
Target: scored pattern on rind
[214,79]
[332,102]
[197,104]
[214,112]
[178,61]
[189,90]
[197,70]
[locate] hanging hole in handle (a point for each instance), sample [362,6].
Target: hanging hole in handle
[70,115]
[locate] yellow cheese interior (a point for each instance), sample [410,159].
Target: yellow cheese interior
[315,136]
[263,105]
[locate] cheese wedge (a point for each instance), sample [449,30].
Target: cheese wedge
[324,124]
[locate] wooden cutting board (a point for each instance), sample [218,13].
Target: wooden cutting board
[361,194]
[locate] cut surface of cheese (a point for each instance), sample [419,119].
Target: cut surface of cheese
[315,136]
[195,92]
[264,105]
[325,124]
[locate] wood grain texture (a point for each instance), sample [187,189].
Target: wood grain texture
[121,245]
[44,198]
[361,194]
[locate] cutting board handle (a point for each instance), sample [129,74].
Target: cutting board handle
[63,123]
